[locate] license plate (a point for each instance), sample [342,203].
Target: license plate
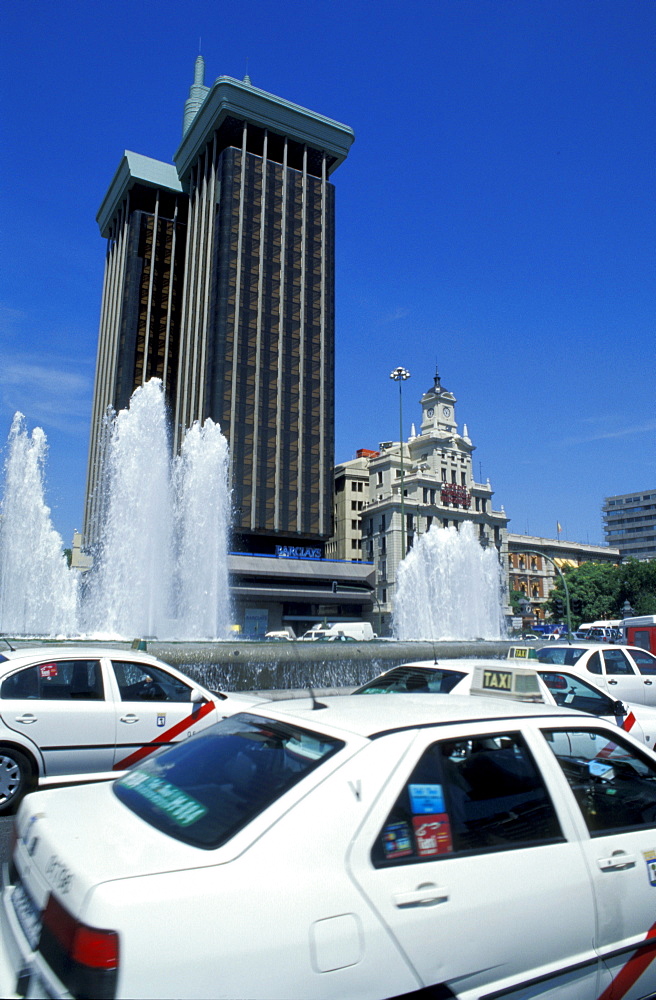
[29,916]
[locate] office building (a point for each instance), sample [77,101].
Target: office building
[219,280]
[630,524]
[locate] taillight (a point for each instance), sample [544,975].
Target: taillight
[84,959]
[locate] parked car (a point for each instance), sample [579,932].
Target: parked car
[626,672]
[74,710]
[552,686]
[369,848]
[361,631]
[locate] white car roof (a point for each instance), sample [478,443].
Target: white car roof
[12,658]
[593,645]
[378,713]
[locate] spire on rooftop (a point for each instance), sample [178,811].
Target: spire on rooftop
[197,94]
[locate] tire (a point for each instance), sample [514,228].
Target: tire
[16,778]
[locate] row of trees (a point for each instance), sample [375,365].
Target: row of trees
[603,588]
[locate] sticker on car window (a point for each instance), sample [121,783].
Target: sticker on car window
[432,834]
[650,858]
[183,809]
[426,799]
[397,840]
[48,670]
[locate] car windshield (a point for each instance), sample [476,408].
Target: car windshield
[565,656]
[206,789]
[413,680]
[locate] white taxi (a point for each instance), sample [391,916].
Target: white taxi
[359,848]
[627,672]
[553,686]
[74,710]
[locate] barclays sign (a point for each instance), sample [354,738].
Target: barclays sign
[297,552]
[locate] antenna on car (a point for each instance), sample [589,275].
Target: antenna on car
[315,704]
[5,639]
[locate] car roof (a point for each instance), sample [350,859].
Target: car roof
[593,645]
[380,713]
[33,654]
[466,664]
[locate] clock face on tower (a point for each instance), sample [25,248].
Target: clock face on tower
[430,411]
[446,411]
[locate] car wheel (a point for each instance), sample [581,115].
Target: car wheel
[15,777]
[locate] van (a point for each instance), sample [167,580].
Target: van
[641,631]
[334,631]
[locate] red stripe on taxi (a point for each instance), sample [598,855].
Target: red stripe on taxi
[634,968]
[165,737]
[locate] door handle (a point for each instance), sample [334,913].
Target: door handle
[129,718]
[649,683]
[611,681]
[26,719]
[618,862]
[426,894]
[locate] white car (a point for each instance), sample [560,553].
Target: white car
[556,687]
[74,710]
[626,672]
[359,848]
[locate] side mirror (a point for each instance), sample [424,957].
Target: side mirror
[196,696]
[619,708]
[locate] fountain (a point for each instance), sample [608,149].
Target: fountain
[449,587]
[160,567]
[38,593]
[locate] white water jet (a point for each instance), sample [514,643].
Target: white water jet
[38,593]
[449,587]
[203,514]
[160,566]
[128,592]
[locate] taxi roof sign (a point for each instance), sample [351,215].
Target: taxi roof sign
[522,653]
[518,683]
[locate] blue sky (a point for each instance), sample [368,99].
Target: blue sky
[495,218]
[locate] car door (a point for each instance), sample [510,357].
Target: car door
[614,785]
[64,707]
[154,708]
[618,675]
[478,876]
[646,664]
[570,691]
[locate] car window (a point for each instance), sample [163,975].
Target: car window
[617,662]
[564,656]
[614,786]
[645,662]
[414,680]
[468,795]
[573,692]
[594,664]
[143,682]
[206,789]
[56,680]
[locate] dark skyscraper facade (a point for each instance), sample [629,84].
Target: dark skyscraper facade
[219,280]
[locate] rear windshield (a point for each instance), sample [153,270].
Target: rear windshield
[413,680]
[564,656]
[204,790]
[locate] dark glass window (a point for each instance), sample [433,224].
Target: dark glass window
[57,680]
[614,785]
[464,796]
[206,789]
[142,682]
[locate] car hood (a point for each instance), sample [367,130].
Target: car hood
[72,839]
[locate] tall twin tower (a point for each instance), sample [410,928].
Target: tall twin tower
[219,280]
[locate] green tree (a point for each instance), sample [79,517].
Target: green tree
[603,588]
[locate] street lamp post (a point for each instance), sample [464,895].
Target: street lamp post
[401,375]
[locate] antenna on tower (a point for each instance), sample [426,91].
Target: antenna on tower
[200,47]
